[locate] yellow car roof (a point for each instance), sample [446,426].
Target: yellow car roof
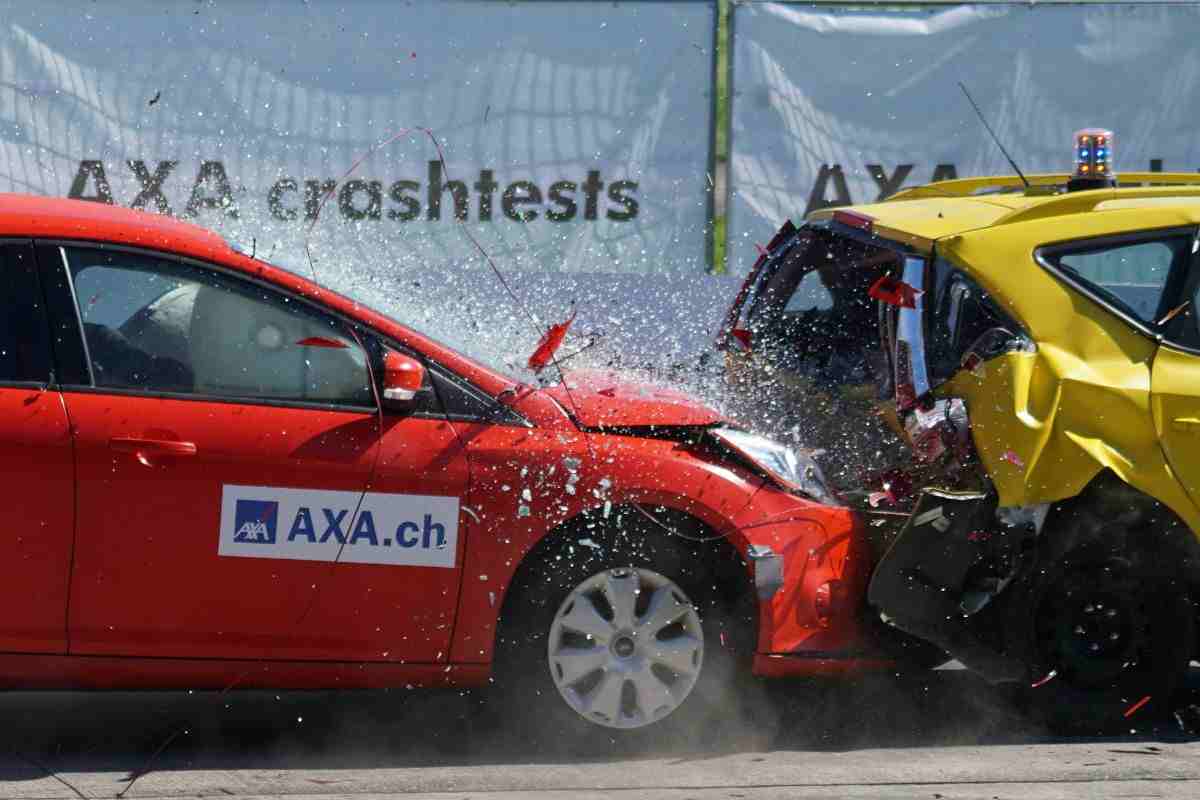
[920,216]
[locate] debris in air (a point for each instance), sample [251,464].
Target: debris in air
[550,343]
[894,292]
[1188,719]
[154,99]
[1133,709]
[1051,675]
[1014,459]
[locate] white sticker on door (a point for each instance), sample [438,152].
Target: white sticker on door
[314,525]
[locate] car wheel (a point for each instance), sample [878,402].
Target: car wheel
[1110,639]
[632,634]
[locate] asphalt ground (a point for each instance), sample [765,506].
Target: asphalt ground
[943,735]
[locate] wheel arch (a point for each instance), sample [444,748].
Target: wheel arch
[1147,525]
[1108,502]
[723,557]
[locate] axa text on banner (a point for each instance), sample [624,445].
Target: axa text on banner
[560,125]
[840,105]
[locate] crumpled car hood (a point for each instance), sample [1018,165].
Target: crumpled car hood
[600,399]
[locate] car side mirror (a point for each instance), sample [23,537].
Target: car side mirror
[403,377]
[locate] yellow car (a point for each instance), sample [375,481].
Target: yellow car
[1003,375]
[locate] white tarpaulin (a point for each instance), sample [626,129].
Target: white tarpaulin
[836,106]
[575,134]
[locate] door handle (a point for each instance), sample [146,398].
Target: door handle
[144,449]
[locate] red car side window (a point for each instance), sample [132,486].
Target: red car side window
[164,326]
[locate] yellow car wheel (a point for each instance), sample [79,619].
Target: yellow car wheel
[1110,639]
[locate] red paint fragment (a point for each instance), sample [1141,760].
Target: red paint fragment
[894,292]
[1049,677]
[1133,709]
[876,498]
[742,337]
[1012,458]
[321,341]
[549,344]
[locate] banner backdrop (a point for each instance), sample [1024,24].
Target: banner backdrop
[835,106]
[575,136]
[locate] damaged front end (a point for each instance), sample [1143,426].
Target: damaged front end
[849,342]
[957,550]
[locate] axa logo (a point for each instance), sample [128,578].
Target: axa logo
[255,521]
[341,526]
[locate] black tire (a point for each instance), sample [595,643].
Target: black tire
[524,696]
[1103,627]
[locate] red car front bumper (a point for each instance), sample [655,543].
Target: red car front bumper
[811,566]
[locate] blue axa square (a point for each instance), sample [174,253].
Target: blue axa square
[254,521]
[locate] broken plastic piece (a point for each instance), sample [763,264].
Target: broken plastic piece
[1188,719]
[875,499]
[973,363]
[1133,709]
[894,292]
[1174,312]
[742,337]
[549,344]
[939,428]
[1051,675]
[1012,458]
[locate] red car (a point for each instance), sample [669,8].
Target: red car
[223,474]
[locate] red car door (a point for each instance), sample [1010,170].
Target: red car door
[36,472]
[241,496]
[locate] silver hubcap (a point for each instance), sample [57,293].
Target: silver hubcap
[626,648]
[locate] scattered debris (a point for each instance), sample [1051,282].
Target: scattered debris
[894,292]
[548,346]
[1051,675]
[1188,719]
[1133,709]
[1014,459]
[875,499]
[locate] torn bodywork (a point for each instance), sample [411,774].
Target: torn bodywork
[877,354]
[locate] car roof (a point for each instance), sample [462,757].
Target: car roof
[920,216]
[61,218]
